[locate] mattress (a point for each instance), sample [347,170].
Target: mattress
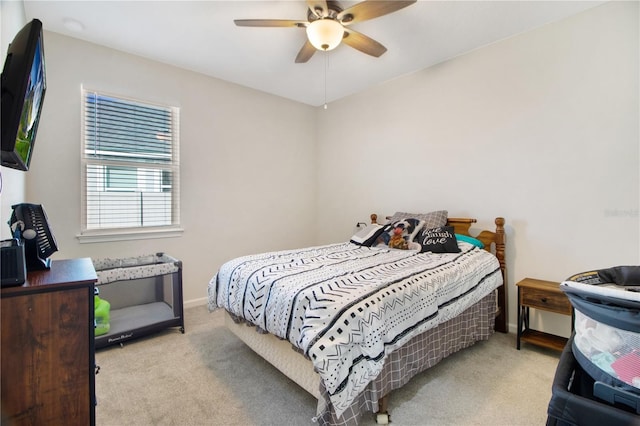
[278,353]
[347,307]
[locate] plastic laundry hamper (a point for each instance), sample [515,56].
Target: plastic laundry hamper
[606,341]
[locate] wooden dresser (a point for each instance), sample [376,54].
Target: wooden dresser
[47,353]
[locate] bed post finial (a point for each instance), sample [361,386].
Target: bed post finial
[501,319]
[500,241]
[374,218]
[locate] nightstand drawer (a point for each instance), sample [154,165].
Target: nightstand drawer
[540,299]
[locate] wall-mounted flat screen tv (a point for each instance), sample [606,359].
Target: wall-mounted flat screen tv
[23,88]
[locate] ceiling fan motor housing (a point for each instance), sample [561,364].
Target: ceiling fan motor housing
[333,9]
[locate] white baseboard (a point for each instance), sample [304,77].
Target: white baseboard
[195,302]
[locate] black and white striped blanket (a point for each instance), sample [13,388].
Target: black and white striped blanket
[347,306]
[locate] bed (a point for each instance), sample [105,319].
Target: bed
[350,322]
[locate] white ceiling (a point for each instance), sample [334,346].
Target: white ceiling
[201,36]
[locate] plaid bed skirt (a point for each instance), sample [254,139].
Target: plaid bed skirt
[421,352]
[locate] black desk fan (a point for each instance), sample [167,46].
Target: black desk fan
[30,226]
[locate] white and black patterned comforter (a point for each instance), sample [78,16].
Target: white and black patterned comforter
[346,306]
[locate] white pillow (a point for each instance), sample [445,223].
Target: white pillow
[368,235]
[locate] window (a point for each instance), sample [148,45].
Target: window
[130,165]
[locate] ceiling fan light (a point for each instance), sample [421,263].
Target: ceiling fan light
[325,34]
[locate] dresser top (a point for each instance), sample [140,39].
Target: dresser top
[66,272]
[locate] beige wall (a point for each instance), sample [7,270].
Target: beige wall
[13,182]
[247,161]
[541,128]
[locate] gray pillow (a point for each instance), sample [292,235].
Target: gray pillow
[431,220]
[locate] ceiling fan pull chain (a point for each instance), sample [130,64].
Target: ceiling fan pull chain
[326,66]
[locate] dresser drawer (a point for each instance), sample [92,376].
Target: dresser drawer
[546,300]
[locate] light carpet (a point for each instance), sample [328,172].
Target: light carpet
[208,377]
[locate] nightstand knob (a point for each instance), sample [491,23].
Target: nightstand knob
[544,300]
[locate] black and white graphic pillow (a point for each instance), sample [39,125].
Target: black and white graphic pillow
[438,240]
[410,226]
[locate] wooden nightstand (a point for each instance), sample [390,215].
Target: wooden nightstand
[547,296]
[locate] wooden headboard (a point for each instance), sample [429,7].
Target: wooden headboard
[494,242]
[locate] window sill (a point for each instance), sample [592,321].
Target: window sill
[103,236]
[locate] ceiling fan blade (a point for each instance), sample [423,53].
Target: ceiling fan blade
[363,43]
[371,9]
[305,53]
[269,23]
[318,7]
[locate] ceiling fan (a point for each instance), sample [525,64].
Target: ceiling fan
[328,24]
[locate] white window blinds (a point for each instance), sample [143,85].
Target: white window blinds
[130,164]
